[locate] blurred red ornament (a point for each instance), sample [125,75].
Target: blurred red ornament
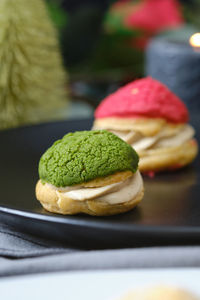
[155,15]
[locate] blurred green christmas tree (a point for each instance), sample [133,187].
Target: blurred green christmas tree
[191,11]
[32,78]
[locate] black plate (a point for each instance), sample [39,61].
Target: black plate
[169,213]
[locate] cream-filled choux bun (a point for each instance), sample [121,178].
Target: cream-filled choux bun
[160,293]
[92,172]
[153,120]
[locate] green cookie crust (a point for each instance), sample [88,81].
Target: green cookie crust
[85,155]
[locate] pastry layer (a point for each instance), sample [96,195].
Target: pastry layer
[145,126]
[107,200]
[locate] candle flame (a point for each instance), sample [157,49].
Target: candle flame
[195,40]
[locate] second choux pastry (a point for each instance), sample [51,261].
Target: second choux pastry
[160,293]
[153,120]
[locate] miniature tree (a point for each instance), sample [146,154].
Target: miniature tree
[32,78]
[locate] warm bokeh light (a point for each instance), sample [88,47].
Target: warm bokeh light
[195,40]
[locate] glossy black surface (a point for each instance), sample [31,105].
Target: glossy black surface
[168,214]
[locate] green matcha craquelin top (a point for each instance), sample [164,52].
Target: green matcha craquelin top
[85,155]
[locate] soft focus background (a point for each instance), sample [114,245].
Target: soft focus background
[102,45]
[103,42]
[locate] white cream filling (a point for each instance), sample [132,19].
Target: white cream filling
[83,194]
[183,135]
[127,192]
[160,140]
[144,143]
[114,193]
[128,137]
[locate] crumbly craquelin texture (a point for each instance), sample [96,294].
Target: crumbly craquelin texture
[143,98]
[85,155]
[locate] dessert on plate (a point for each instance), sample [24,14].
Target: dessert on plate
[92,172]
[153,120]
[160,293]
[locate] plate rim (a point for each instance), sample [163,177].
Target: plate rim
[145,229]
